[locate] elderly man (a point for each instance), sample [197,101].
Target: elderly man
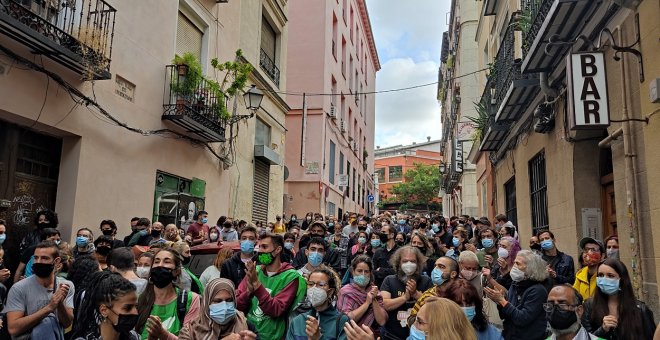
[563,311]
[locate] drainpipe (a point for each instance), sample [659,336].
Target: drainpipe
[545,86]
[632,194]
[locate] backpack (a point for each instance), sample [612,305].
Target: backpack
[181,305]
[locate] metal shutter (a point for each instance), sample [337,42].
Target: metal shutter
[260,194]
[188,37]
[268,39]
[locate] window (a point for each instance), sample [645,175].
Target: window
[334,36]
[341,163]
[510,192]
[267,57]
[395,173]
[380,174]
[343,57]
[331,167]
[538,193]
[352,21]
[262,133]
[188,37]
[331,209]
[333,90]
[354,183]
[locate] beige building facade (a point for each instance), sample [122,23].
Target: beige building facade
[548,171]
[118,146]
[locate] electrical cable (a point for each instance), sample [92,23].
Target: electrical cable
[43,105]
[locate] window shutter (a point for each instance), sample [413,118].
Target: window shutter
[268,39]
[188,37]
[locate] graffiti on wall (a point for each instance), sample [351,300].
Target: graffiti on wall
[23,207]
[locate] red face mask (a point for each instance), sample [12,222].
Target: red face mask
[592,259]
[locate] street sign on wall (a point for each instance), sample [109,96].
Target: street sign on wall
[343,180]
[587,91]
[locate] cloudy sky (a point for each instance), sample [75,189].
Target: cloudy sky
[408,37]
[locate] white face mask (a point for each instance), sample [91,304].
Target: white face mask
[213,237]
[517,275]
[142,272]
[409,268]
[503,253]
[316,296]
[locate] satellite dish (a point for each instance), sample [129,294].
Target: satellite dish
[286,173]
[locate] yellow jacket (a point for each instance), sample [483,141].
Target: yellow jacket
[583,284]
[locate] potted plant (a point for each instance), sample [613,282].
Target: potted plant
[187,79]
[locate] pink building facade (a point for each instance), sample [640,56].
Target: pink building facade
[331,69]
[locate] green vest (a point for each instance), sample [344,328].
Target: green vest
[267,327]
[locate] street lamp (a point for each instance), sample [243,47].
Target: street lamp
[443,168]
[253,98]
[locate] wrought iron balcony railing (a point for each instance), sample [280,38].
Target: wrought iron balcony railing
[76,33]
[192,106]
[268,65]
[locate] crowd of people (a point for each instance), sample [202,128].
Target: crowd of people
[391,276]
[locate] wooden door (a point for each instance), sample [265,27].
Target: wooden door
[608,206]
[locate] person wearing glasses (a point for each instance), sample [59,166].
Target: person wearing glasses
[585,278]
[324,321]
[521,308]
[563,311]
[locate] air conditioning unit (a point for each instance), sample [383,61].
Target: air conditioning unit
[343,126]
[333,113]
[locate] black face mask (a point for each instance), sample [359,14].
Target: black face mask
[107,232]
[161,277]
[384,238]
[535,246]
[125,322]
[155,233]
[42,225]
[186,260]
[561,319]
[103,250]
[400,243]
[43,270]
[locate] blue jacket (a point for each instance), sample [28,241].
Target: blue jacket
[523,316]
[563,265]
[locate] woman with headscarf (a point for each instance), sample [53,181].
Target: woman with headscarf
[218,317]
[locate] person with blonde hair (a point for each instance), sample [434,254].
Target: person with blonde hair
[213,271]
[441,319]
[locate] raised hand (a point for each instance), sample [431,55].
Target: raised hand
[312,328]
[358,332]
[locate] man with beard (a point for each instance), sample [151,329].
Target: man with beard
[41,305]
[563,312]
[445,271]
[401,290]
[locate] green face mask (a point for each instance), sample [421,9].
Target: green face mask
[265,258]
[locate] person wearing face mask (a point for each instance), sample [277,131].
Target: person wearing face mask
[164,308]
[289,251]
[187,280]
[467,297]
[400,291]
[271,289]
[468,264]
[402,225]
[228,233]
[488,254]
[103,247]
[198,231]
[441,318]
[444,272]
[614,312]
[279,227]
[143,265]
[612,245]
[84,243]
[383,254]
[331,257]
[142,237]
[585,278]
[315,252]
[109,229]
[234,268]
[43,219]
[362,245]
[521,308]
[323,321]
[120,261]
[172,233]
[340,244]
[498,274]
[27,259]
[41,306]
[560,266]
[360,299]
[218,318]
[114,299]
[563,312]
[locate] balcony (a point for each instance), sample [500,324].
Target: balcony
[489,8]
[562,20]
[268,65]
[495,132]
[191,108]
[75,33]
[513,90]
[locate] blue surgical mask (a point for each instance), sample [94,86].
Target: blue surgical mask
[247,246]
[205,220]
[222,312]
[402,222]
[436,228]
[375,243]
[470,312]
[487,242]
[436,277]
[315,258]
[546,244]
[361,280]
[607,285]
[362,240]
[82,241]
[416,334]
[288,245]
[330,225]
[455,241]
[3,237]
